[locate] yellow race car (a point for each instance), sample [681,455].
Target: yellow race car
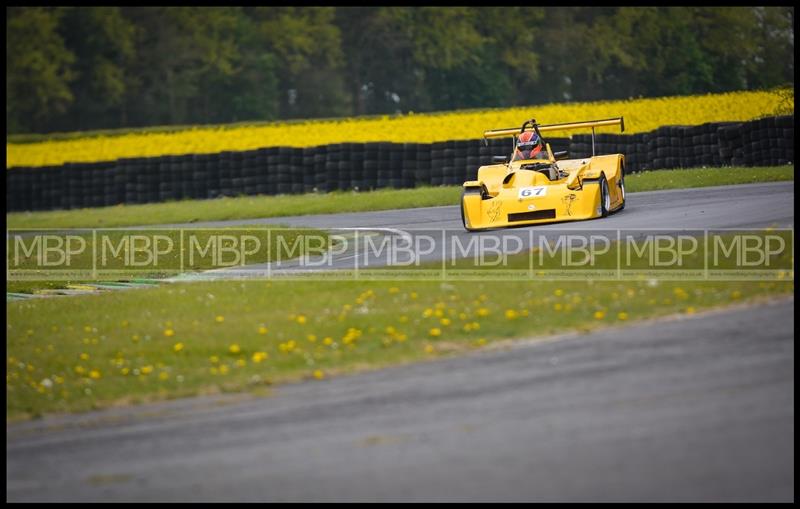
[534,185]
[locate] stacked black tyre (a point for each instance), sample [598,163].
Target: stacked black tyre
[767,141]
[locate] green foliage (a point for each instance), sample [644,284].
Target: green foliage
[89,68]
[38,67]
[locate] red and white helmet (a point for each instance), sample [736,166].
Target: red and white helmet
[529,144]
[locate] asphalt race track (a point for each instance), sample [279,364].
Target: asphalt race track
[737,206]
[674,211]
[697,408]
[690,409]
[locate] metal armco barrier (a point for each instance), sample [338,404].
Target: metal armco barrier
[363,166]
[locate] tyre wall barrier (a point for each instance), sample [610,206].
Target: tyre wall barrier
[364,166]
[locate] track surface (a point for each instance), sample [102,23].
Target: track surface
[672,211]
[736,206]
[691,409]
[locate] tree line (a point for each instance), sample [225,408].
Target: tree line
[82,68]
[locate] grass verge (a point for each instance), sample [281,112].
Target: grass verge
[76,354]
[192,211]
[182,339]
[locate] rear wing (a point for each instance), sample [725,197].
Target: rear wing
[532,125]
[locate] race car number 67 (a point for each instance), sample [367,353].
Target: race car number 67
[532,192]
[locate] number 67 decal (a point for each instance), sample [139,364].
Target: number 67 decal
[532,192]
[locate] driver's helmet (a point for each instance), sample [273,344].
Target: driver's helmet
[529,145]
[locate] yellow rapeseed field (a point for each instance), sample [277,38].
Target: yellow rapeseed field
[641,115]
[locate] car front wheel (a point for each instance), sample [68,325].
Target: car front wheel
[605,197]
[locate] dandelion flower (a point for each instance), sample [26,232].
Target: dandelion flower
[234,348]
[435,332]
[318,374]
[599,315]
[178,347]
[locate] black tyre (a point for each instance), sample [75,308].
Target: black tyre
[605,197]
[622,186]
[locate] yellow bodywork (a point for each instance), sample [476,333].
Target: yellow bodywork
[509,195]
